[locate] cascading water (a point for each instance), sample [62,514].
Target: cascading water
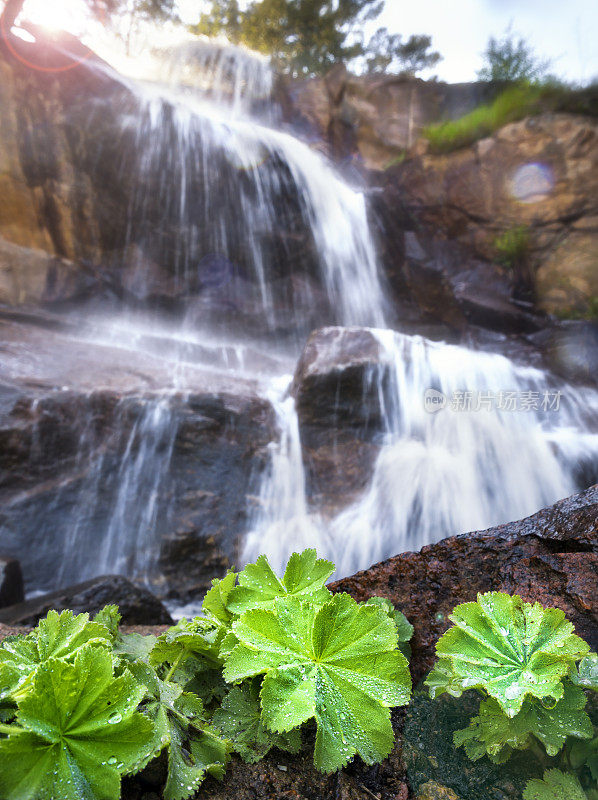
[255,238]
[471,463]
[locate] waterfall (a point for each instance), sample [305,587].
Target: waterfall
[475,463]
[258,231]
[252,240]
[108,515]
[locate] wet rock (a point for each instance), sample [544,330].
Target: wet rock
[337,392]
[33,277]
[431,790]
[71,458]
[550,557]
[437,770]
[445,280]
[571,350]
[11,582]
[93,229]
[137,605]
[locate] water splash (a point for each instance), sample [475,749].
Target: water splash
[436,474]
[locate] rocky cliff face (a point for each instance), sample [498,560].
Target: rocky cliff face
[71,458]
[85,212]
[373,120]
[536,180]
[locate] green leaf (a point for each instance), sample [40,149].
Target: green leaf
[191,760]
[198,677]
[586,673]
[556,785]
[216,598]
[337,663]
[179,724]
[494,734]
[510,649]
[404,627]
[239,719]
[304,578]
[584,753]
[198,637]
[443,680]
[110,618]
[80,732]
[56,636]
[134,646]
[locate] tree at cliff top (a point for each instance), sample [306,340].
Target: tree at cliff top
[386,52]
[511,59]
[304,37]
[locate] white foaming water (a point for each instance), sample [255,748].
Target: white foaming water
[437,474]
[230,185]
[284,523]
[229,75]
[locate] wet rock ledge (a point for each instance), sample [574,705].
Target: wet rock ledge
[551,557]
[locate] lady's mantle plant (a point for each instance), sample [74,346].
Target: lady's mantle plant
[82,705]
[531,671]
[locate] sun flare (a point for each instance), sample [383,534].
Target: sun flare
[57,15]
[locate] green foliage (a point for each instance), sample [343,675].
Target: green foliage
[82,704]
[512,246]
[403,626]
[556,785]
[386,52]
[304,579]
[304,37]
[510,649]
[338,663]
[531,670]
[77,732]
[511,59]
[510,105]
[57,636]
[240,720]
[586,672]
[496,735]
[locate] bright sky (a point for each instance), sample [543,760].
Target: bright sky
[565,31]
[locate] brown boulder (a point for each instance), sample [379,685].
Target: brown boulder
[550,557]
[339,412]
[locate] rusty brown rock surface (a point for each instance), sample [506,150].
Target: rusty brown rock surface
[550,557]
[373,119]
[539,175]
